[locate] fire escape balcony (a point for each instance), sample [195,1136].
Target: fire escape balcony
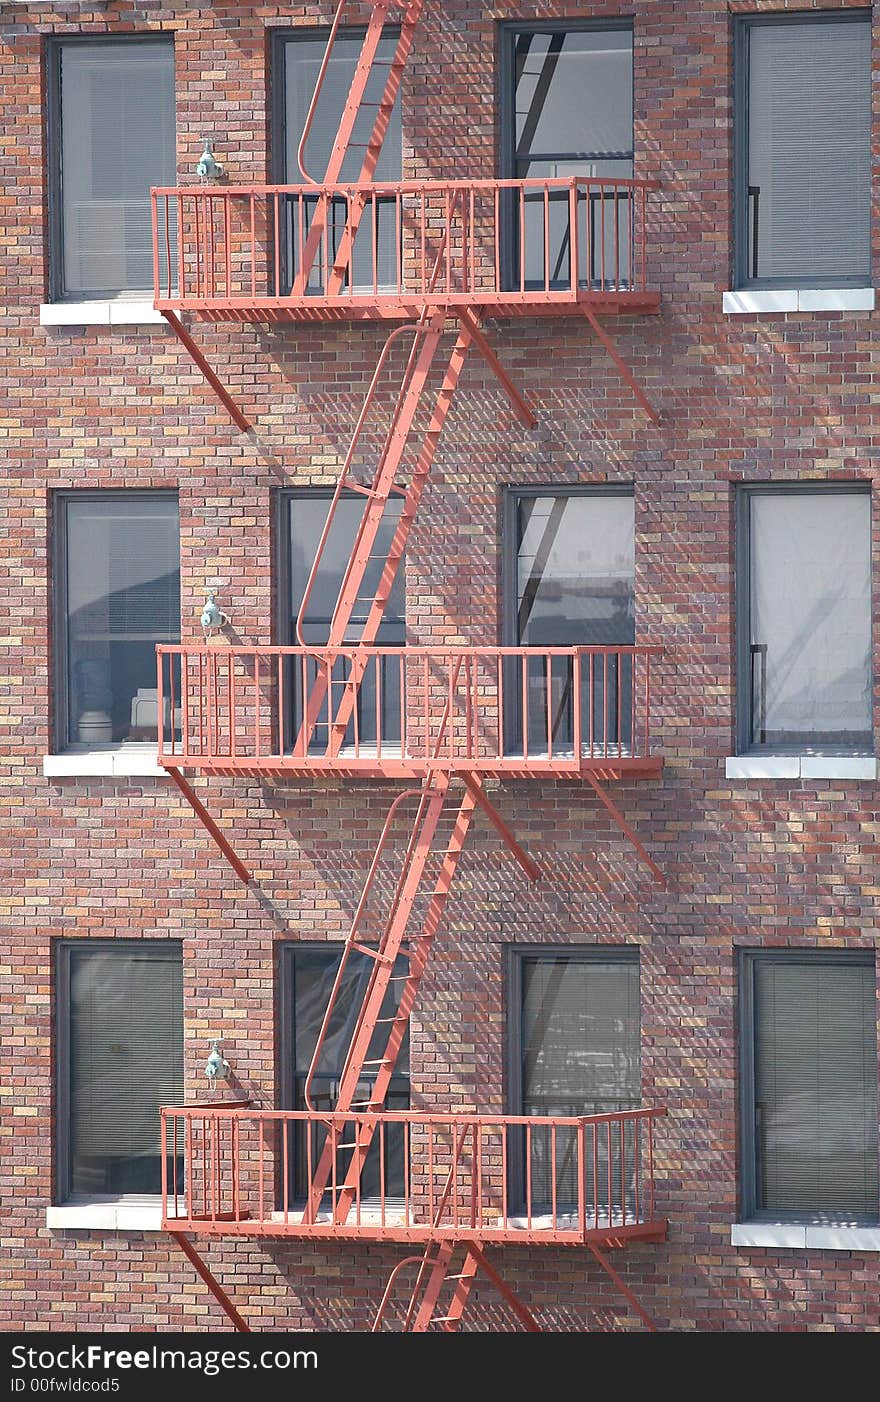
[232,1170]
[405,712]
[374,251]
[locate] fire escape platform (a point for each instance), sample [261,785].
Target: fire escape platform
[510,1180]
[391,307]
[389,766]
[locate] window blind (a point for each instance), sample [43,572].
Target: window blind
[302,60]
[125,1061]
[816,1087]
[809,149]
[117,139]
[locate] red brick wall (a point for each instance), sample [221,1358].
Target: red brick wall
[748,864]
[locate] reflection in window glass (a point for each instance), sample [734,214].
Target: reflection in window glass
[573,115]
[307,516]
[579,1056]
[815,1087]
[117,139]
[810,618]
[313,972]
[124,1040]
[122,597]
[302,60]
[574,586]
[809,150]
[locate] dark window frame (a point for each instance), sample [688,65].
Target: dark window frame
[515,956]
[742,27]
[747,961]
[59,649]
[742,590]
[55,45]
[507,34]
[285,984]
[149,948]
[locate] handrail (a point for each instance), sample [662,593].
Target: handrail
[409,187]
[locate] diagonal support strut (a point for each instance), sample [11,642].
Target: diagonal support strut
[625,827]
[480,340]
[620,362]
[525,1316]
[622,1287]
[211,1281]
[204,817]
[216,384]
[474,787]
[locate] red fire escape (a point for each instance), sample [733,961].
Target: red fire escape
[444,720]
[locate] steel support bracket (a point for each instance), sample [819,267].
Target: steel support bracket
[620,362]
[604,796]
[211,1281]
[211,827]
[521,408]
[475,788]
[214,381]
[622,1287]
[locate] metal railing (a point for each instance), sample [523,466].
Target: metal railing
[507,1177]
[399,710]
[530,241]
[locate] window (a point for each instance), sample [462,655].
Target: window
[567,109]
[305,514]
[574,1050]
[804,619]
[570,582]
[298,59]
[804,150]
[111,138]
[118,579]
[120,1058]
[307,975]
[809,1085]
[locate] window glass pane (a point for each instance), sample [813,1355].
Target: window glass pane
[122,596]
[302,60]
[810,637]
[117,139]
[573,99]
[314,972]
[816,1088]
[809,150]
[580,1056]
[575,563]
[126,1061]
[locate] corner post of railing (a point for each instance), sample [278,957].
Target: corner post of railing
[154,208]
[573,233]
[163,1150]
[647,703]
[160,703]
[576,663]
[581,1175]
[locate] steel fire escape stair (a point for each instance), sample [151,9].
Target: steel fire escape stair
[434,800]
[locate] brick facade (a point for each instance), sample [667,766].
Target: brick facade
[748,863]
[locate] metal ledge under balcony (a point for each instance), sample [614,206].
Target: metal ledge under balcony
[370,252]
[231,1170]
[405,712]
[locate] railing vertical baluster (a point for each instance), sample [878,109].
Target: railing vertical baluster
[581,1173]
[407,1198]
[430,1129]
[285,1167]
[522,238]
[633,692]
[256,749]
[448,250]
[181,264]
[617,240]
[553,1175]
[185,693]
[621,1125]
[546,207]
[299,236]
[236,1160]
[280,702]
[426,734]
[398,239]
[643,233]
[163,1166]
[605,716]
[504,1205]
[423,280]
[160,701]
[468,703]
[499,704]
[382,1172]
[276,242]
[261,1210]
[595,1129]
[377,662]
[227,247]
[602,228]
[651,1165]
[253,229]
[646,724]
[610,1173]
[202,707]
[619,670]
[401,680]
[637,1168]
[630,242]
[450,733]
[233,723]
[577,719]
[497,238]
[524,672]
[374,241]
[529,1176]
[573,270]
[549,674]
[471,277]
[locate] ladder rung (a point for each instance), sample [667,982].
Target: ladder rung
[379,1061]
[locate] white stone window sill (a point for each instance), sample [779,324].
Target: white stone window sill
[800,767]
[122,311]
[104,761]
[800,1236]
[749,301]
[134,1214]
